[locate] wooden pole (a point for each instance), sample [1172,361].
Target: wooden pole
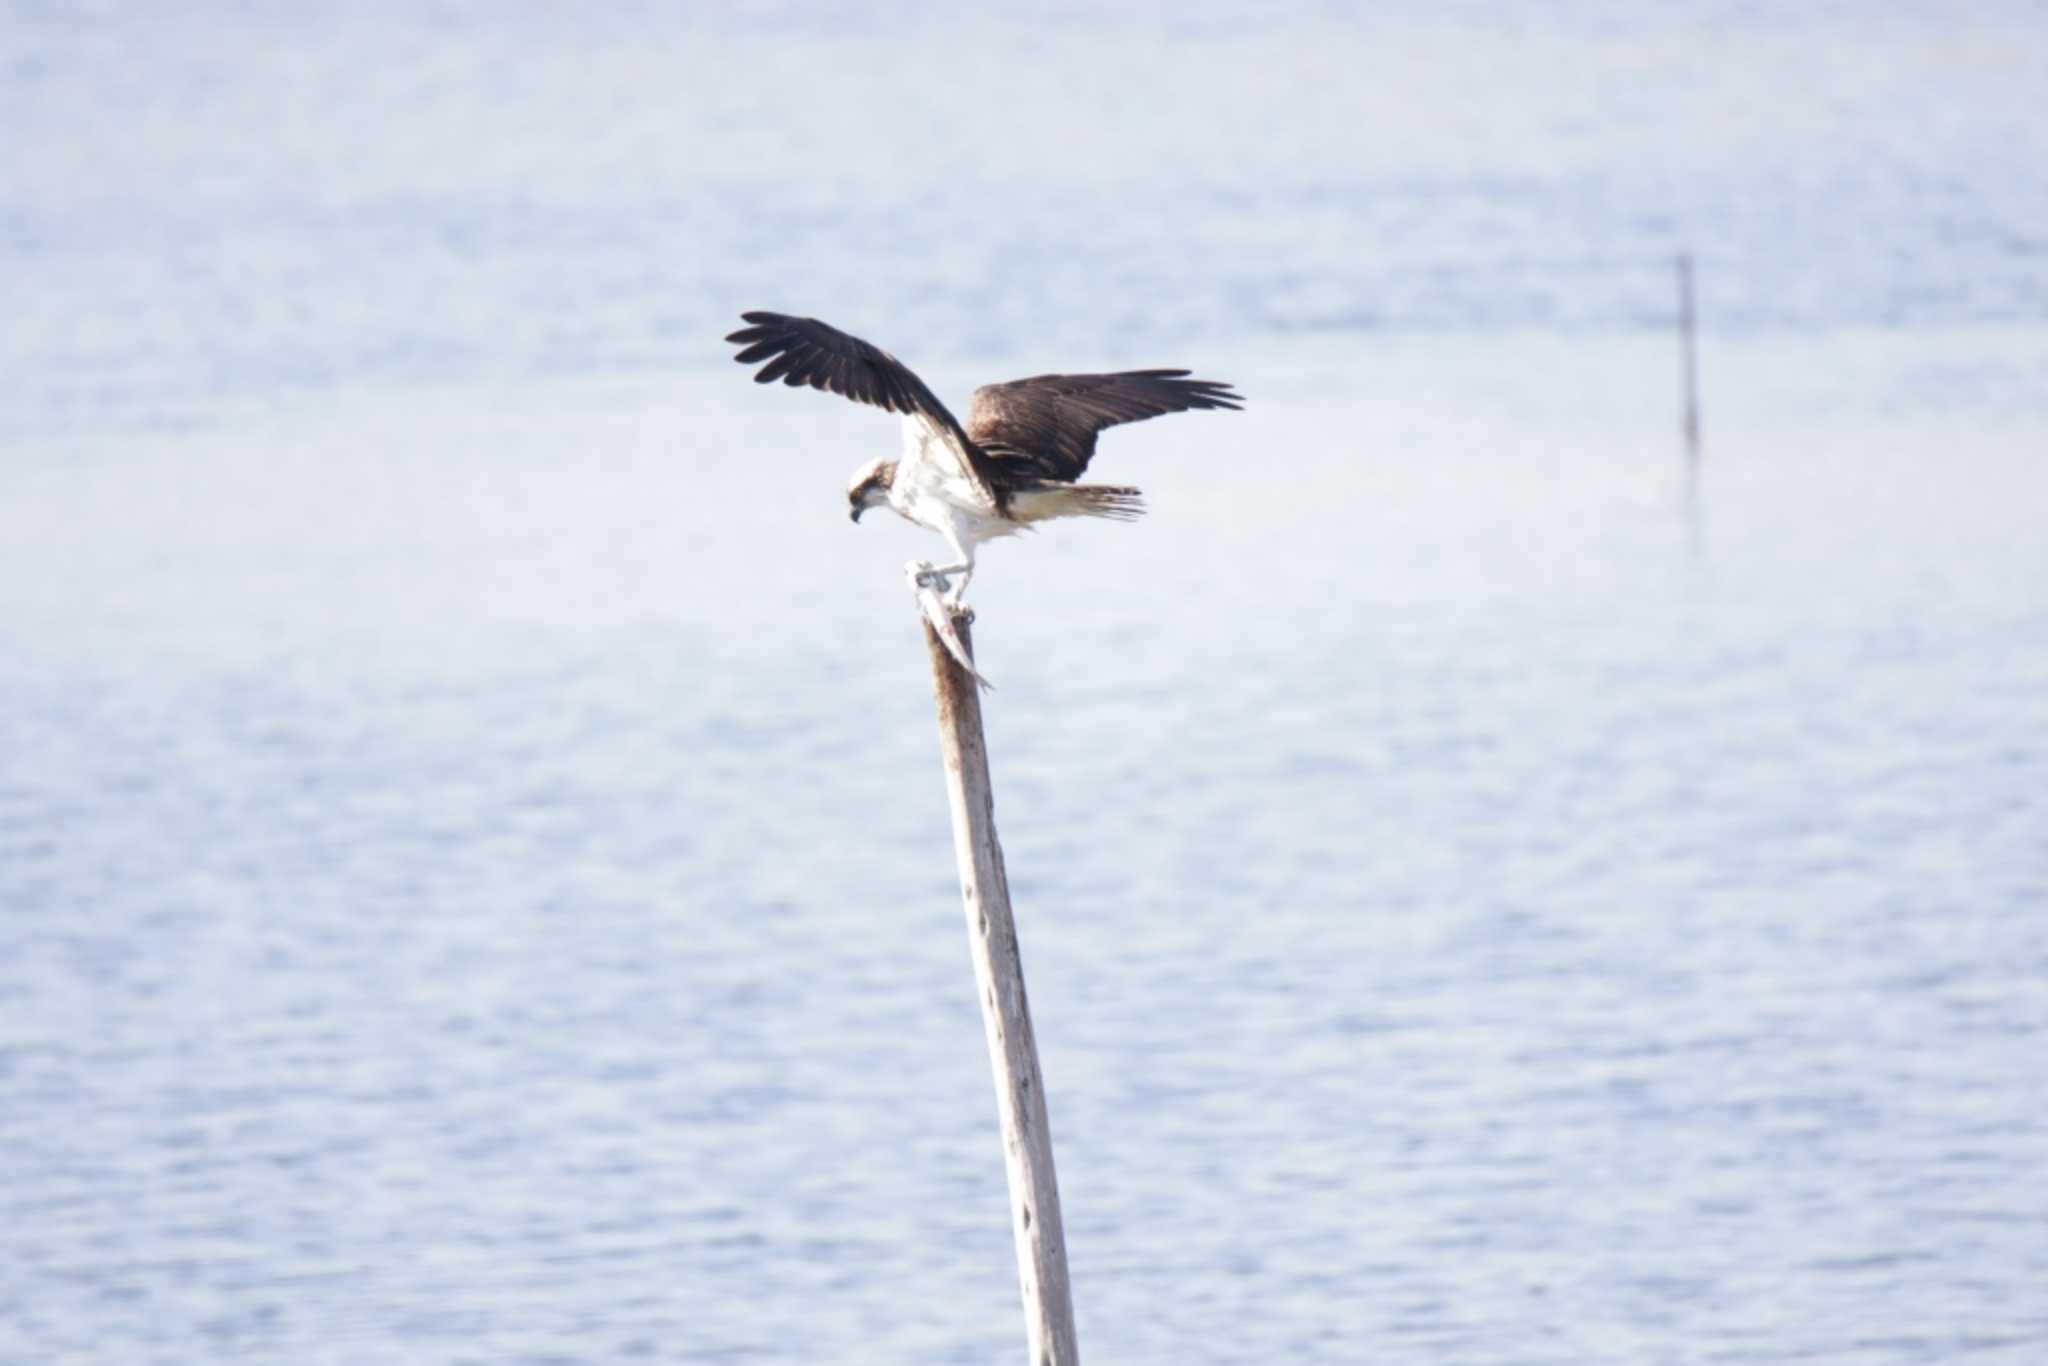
[1005,1011]
[1689,361]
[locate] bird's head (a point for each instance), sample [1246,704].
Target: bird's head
[869,486]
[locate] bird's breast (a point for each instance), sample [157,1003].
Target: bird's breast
[946,510]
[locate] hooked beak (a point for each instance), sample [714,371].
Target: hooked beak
[857,510]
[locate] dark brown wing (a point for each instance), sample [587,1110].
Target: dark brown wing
[802,351]
[1044,427]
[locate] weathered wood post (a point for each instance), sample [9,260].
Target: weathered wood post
[1005,1011]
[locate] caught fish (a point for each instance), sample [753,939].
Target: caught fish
[928,588]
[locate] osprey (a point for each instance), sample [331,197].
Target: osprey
[1013,463]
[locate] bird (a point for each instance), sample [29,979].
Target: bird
[1013,464]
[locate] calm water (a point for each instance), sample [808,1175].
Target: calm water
[472,852]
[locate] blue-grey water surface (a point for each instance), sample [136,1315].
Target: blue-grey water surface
[474,872]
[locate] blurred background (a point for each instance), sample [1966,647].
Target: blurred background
[474,874]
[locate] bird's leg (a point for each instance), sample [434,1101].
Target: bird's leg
[966,571]
[940,577]
[964,568]
[924,574]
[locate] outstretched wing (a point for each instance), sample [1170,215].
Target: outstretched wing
[1044,427]
[801,351]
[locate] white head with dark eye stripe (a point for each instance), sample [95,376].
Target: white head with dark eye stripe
[869,487]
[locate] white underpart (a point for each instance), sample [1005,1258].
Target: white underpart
[935,489]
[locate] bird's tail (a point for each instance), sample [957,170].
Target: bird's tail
[1117,503]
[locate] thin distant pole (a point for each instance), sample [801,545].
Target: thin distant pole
[1005,1010]
[1689,359]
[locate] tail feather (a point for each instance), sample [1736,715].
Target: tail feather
[1117,503]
